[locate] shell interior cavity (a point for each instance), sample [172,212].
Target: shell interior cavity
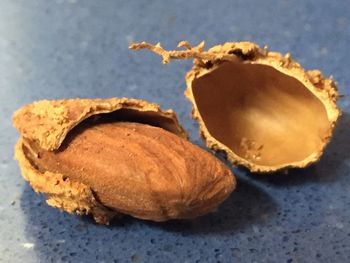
[259,107]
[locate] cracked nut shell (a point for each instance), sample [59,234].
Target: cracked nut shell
[108,157]
[259,107]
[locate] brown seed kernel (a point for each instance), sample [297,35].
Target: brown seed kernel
[107,166]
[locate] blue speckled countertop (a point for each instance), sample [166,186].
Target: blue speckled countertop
[74,48]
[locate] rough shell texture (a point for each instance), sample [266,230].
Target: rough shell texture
[61,192]
[94,170]
[47,122]
[259,107]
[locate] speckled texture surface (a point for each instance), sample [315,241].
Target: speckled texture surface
[60,49]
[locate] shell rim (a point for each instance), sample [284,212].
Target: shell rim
[327,94]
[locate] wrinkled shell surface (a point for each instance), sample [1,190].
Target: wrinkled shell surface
[261,108]
[117,167]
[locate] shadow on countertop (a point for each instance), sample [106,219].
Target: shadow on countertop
[62,237]
[247,205]
[328,169]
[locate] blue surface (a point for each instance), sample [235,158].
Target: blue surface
[61,49]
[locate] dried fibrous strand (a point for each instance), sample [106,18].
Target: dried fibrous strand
[195,52]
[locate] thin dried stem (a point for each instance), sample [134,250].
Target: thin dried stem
[195,52]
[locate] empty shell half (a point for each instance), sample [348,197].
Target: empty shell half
[261,108]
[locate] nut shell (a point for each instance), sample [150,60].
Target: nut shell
[261,108]
[61,192]
[107,166]
[47,122]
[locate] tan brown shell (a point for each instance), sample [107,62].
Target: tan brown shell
[261,108]
[47,123]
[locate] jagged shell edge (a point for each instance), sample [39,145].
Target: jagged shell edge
[325,91]
[48,122]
